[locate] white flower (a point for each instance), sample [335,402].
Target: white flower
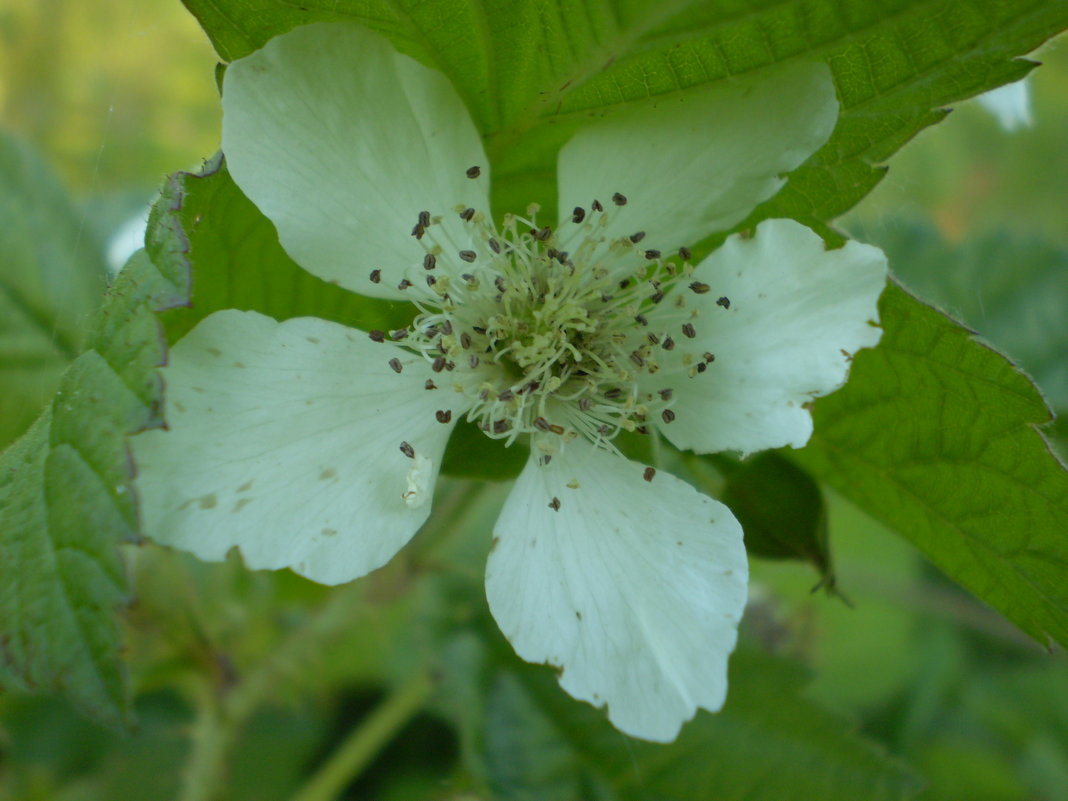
[313,446]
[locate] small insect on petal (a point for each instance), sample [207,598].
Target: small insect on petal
[649,473]
[396,365]
[407,450]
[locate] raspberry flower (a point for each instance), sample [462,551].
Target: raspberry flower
[309,445]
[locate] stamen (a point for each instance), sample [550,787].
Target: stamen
[648,473]
[443,415]
[724,302]
[407,450]
[376,335]
[396,365]
[619,199]
[376,276]
[474,172]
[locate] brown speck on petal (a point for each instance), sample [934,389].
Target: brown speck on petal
[649,473]
[474,172]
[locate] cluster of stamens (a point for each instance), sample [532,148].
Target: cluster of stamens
[552,333]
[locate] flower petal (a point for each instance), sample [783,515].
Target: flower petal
[342,142]
[783,317]
[693,166]
[634,588]
[285,440]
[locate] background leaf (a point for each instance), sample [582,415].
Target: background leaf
[536,742]
[935,436]
[530,73]
[52,277]
[67,497]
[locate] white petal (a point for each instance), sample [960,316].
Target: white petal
[692,166]
[634,588]
[284,440]
[797,313]
[341,141]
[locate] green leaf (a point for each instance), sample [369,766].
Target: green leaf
[1010,287]
[67,496]
[780,508]
[530,73]
[935,435]
[768,742]
[52,276]
[240,265]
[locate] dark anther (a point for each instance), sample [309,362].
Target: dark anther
[689,330]
[404,284]
[701,367]
[578,215]
[500,426]
[499,283]
[376,335]
[637,358]
[376,276]
[638,237]
[474,172]
[585,404]
[667,415]
[554,504]
[603,430]
[665,394]
[619,199]
[507,395]
[652,255]
[494,245]
[668,343]
[529,387]
[396,365]
[478,329]
[555,429]
[424,218]
[465,340]
[642,430]
[596,206]
[640,319]
[443,415]
[472,361]
[724,302]
[399,334]
[613,393]
[699,288]
[418,231]
[468,255]
[430,261]
[467,214]
[431,280]
[446,327]
[430,384]
[684,253]
[649,473]
[541,424]
[407,450]
[543,233]
[657,296]
[450,366]
[438,365]
[653,338]
[624,283]
[709,357]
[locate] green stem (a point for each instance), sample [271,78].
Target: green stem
[364,742]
